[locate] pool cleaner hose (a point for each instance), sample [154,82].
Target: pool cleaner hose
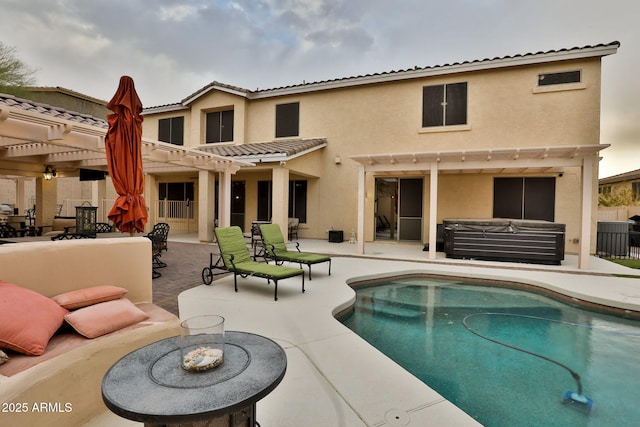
[574,398]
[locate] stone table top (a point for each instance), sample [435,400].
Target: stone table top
[149,385]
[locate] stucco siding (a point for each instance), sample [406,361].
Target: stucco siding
[505,109]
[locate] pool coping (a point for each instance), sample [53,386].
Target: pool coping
[331,369]
[582,300]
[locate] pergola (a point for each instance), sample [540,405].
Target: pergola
[33,136]
[489,161]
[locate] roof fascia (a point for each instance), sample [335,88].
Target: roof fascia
[278,157]
[184,104]
[164,109]
[486,64]
[231,91]
[66,91]
[386,77]
[623,177]
[490,158]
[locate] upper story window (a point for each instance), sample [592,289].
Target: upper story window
[288,119]
[444,105]
[548,79]
[219,126]
[171,130]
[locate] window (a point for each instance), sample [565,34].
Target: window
[264,200]
[444,105]
[548,79]
[171,130]
[635,190]
[298,200]
[238,198]
[219,127]
[288,120]
[524,198]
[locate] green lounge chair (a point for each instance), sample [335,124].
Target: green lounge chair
[236,258]
[276,249]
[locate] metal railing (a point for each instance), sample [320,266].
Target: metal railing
[623,245]
[180,215]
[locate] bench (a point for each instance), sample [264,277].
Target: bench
[69,373]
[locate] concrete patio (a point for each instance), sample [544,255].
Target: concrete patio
[334,378]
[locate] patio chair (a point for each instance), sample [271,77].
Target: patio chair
[237,259]
[31,216]
[71,236]
[7,230]
[159,235]
[276,249]
[294,223]
[103,227]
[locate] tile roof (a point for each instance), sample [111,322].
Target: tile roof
[475,61]
[286,148]
[391,75]
[66,91]
[48,110]
[626,176]
[40,139]
[266,150]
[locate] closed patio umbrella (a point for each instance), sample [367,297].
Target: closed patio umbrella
[123,145]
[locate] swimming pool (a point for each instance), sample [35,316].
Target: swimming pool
[418,322]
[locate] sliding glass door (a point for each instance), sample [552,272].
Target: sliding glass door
[399,209]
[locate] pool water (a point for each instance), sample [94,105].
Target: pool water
[418,322]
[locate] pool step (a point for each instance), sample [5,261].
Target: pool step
[392,309]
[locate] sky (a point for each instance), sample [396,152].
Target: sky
[173,48]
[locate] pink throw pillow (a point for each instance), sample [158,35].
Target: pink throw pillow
[28,320]
[105,317]
[89,296]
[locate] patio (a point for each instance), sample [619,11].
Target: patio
[329,377]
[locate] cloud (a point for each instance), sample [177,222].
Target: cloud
[172,48]
[178,12]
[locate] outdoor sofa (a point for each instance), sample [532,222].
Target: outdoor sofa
[62,386]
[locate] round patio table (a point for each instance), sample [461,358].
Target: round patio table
[148,385]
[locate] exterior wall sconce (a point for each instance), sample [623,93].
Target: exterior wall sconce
[49,172]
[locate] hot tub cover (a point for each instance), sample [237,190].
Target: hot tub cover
[504,225]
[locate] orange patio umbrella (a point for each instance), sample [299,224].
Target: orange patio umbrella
[123,144]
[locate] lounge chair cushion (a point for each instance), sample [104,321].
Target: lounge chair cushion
[303,257]
[267,270]
[273,237]
[231,241]
[28,319]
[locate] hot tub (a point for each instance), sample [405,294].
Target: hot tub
[504,239]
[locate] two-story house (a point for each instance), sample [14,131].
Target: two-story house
[390,155]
